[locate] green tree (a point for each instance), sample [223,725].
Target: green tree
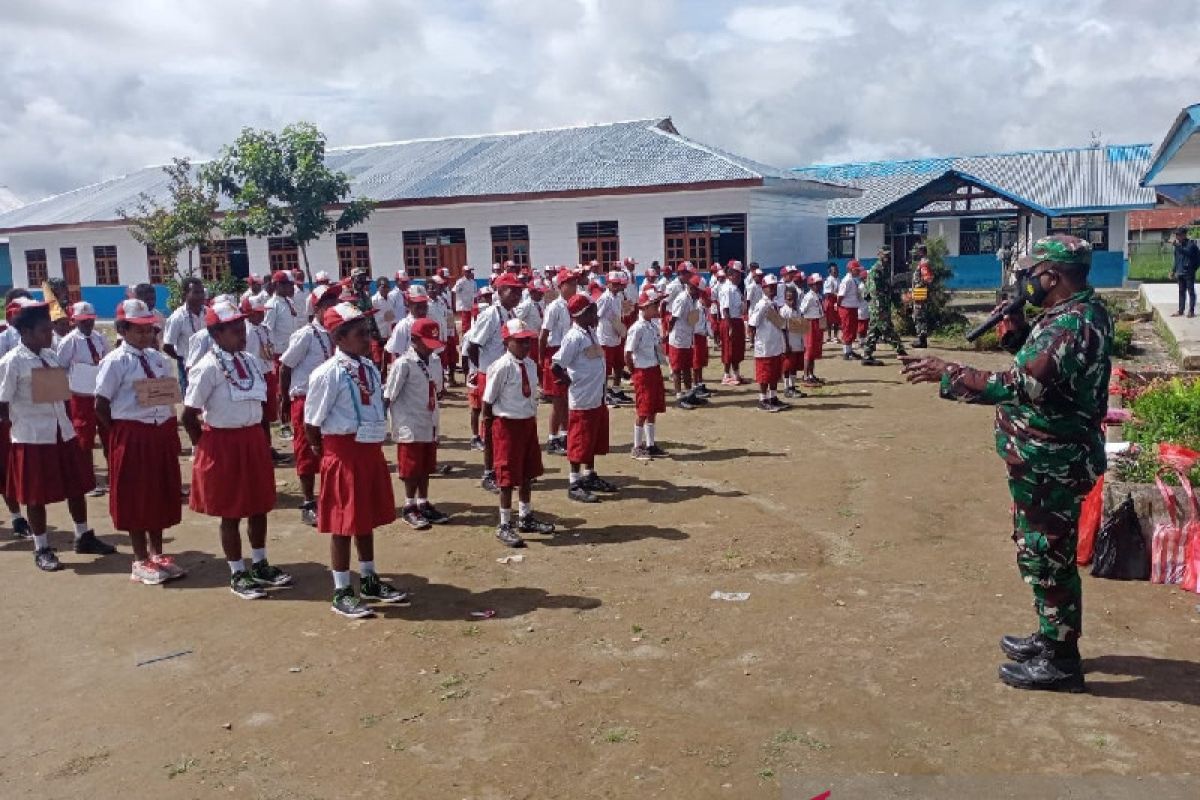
[185,223]
[278,185]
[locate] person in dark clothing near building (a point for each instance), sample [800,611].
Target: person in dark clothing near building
[1187,260]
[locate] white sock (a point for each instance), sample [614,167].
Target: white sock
[525,509]
[80,529]
[366,567]
[410,502]
[420,500]
[762,396]
[846,349]
[341,580]
[638,435]
[41,542]
[237,566]
[649,434]
[258,554]
[505,516]
[770,394]
[587,473]
[574,478]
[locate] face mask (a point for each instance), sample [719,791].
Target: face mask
[1033,291]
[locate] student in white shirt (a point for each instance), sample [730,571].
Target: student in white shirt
[345,421]
[510,420]
[463,295]
[644,356]
[233,477]
[532,310]
[398,293]
[700,335]
[80,352]
[829,296]
[44,465]
[684,316]
[754,289]
[766,328]
[610,330]
[300,297]
[579,365]
[183,323]
[812,309]
[385,314]
[9,339]
[794,327]
[309,348]
[733,325]
[282,317]
[413,386]
[417,304]
[440,311]
[849,301]
[555,323]
[320,279]
[484,345]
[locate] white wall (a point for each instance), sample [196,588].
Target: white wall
[132,264]
[948,229]
[786,230]
[1118,231]
[867,240]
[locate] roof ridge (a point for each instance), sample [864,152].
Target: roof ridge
[653,121]
[999,154]
[726,157]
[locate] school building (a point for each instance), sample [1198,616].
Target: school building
[561,196]
[980,204]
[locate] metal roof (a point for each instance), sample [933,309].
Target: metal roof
[1057,181]
[641,154]
[1177,159]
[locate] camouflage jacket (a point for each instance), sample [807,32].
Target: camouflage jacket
[1050,403]
[879,292]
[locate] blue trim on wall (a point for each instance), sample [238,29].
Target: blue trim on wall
[1185,125]
[106,298]
[1109,269]
[5,267]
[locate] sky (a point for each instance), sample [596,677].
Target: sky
[88,93]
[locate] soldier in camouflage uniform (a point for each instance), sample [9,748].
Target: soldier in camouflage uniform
[1049,406]
[879,289]
[922,286]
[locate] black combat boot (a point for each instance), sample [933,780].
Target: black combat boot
[921,341]
[1057,668]
[1022,648]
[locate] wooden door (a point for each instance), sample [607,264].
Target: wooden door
[70,268]
[453,257]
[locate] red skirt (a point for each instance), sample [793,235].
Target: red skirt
[733,341]
[475,396]
[307,462]
[587,434]
[5,447]
[829,304]
[699,351]
[814,340]
[849,321]
[516,455]
[143,475]
[680,359]
[464,319]
[356,490]
[449,355]
[41,474]
[82,410]
[614,357]
[649,390]
[793,362]
[271,412]
[233,476]
[862,327]
[416,460]
[551,387]
[768,370]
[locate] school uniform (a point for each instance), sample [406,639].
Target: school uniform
[581,356]
[345,400]
[399,304]
[180,327]
[700,336]
[309,348]
[829,300]
[811,308]
[768,343]
[258,345]
[485,332]
[77,349]
[671,289]
[198,346]
[849,299]
[232,475]
[464,299]
[143,444]
[608,308]
[685,313]
[511,389]
[385,319]
[282,320]
[793,361]
[714,311]
[439,312]
[733,329]
[532,313]
[8,340]
[556,322]
[412,389]
[644,343]
[864,310]
[754,293]
[44,464]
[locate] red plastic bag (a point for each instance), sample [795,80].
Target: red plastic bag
[1089,522]
[1177,457]
[1191,540]
[1167,542]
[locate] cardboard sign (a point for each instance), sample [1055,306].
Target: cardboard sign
[49,385]
[773,317]
[799,325]
[83,378]
[389,316]
[595,351]
[693,318]
[619,328]
[157,392]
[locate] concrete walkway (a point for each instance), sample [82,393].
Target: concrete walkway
[1163,300]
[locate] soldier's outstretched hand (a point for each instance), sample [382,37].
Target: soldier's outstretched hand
[923,369]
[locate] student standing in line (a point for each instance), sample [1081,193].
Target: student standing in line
[644,356]
[184,321]
[80,352]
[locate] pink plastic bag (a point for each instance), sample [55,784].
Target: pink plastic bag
[1191,541]
[1167,542]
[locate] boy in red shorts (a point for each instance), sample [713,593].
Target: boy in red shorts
[555,324]
[766,328]
[643,356]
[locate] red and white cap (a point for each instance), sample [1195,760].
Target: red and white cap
[629,263]
[734,264]
[22,304]
[565,276]
[342,313]
[83,311]
[281,276]
[495,267]
[649,297]
[437,280]
[322,277]
[815,278]
[468,268]
[254,279]
[416,294]
[253,302]
[770,280]
[616,276]
[222,311]
[135,312]
[517,329]
[321,289]
[428,331]
[578,304]
[720,273]
[402,276]
[508,281]
[538,285]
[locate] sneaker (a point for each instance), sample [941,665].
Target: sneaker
[729,380]
[624,398]
[415,519]
[168,565]
[531,524]
[46,560]
[685,403]
[580,494]
[88,544]
[346,603]
[775,401]
[594,483]
[148,573]
[266,574]
[489,483]
[702,391]
[308,513]
[657,451]
[99,491]
[639,454]
[433,515]
[697,400]
[508,535]
[21,529]
[871,361]
[767,405]
[241,584]
[372,587]
[285,433]
[556,447]
[477,443]
[789,392]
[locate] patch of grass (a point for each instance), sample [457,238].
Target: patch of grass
[765,774]
[721,759]
[1168,340]
[424,632]
[370,720]
[619,735]
[81,765]
[1098,740]
[180,766]
[471,630]
[396,745]
[787,736]
[637,629]
[846,512]
[453,689]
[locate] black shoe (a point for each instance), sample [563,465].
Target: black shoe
[685,403]
[624,398]
[1045,674]
[489,483]
[346,603]
[854,355]
[413,517]
[279,458]
[433,515]
[656,451]
[846,356]
[244,586]
[266,574]
[580,494]
[900,351]
[508,536]
[697,400]
[531,524]
[1023,648]
[871,361]
[308,513]
[702,392]
[779,404]
[372,588]
[88,544]
[556,447]
[594,483]
[476,443]
[46,560]
[21,529]
[789,392]
[768,406]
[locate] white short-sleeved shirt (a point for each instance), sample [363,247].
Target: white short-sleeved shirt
[9,338]
[754,293]
[810,305]
[308,348]
[487,335]
[585,371]
[673,289]
[864,307]
[682,333]
[439,312]
[119,370]
[32,423]
[794,338]
[397,344]
[848,293]
[730,299]
[334,402]
[212,391]
[644,342]
[556,322]
[530,312]
[73,349]
[608,311]
[464,293]
[300,299]
[830,285]
[282,320]
[399,304]
[258,344]
[714,294]
[181,326]
[504,387]
[198,345]
[384,308]
[408,393]
[768,337]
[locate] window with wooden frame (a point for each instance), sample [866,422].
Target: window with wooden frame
[599,241]
[107,273]
[985,235]
[704,240]
[214,259]
[354,251]
[1092,228]
[510,243]
[154,266]
[841,241]
[282,253]
[35,268]
[425,252]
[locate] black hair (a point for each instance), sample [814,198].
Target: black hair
[142,287]
[1182,229]
[15,293]
[28,318]
[186,284]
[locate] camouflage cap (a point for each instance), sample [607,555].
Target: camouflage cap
[1059,249]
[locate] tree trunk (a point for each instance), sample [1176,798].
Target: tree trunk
[304,255]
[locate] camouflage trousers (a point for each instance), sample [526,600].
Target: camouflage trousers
[920,320]
[880,328]
[1046,531]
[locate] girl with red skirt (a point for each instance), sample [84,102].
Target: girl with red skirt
[812,309]
[345,422]
[79,351]
[643,357]
[232,476]
[795,333]
[143,455]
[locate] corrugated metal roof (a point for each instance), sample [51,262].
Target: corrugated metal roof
[640,153]
[1059,180]
[1163,218]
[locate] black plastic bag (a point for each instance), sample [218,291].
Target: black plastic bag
[1121,551]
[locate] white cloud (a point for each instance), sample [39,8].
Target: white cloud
[807,22]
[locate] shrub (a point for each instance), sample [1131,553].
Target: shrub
[1122,346]
[1168,411]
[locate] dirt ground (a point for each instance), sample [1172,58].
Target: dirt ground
[869,525]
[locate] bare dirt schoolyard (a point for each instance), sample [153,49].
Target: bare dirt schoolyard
[869,525]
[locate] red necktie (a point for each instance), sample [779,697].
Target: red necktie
[237,365]
[362,383]
[146,366]
[92,349]
[525,387]
[432,396]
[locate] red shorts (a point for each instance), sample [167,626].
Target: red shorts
[829,304]
[551,387]
[416,460]
[793,362]
[475,396]
[718,326]
[449,356]
[464,319]
[680,359]
[271,412]
[233,476]
[82,410]
[516,455]
[41,474]
[733,341]
[5,447]
[649,391]
[145,488]
[378,355]
[768,370]
[814,340]
[862,327]
[699,351]
[356,490]
[307,462]
[614,357]
[848,318]
[587,434]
